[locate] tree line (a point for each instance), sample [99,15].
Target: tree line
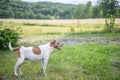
[47,10]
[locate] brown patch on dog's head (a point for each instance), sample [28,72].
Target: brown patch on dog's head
[56,44]
[36,50]
[52,43]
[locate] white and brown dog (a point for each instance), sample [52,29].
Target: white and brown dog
[41,52]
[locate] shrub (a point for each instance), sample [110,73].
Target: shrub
[110,23]
[72,28]
[7,35]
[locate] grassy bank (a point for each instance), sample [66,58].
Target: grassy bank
[73,62]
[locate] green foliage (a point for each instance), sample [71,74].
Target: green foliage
[6,36]
[38,10]
[46,10]
[109,7]
[83,11]
[72,28]
[96,12]
[110,23]
[79,11]
[87,10]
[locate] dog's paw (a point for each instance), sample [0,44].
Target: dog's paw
[45,74]
[21,73]
[16,75]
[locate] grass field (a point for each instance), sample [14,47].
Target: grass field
[89,52]
[77,62]
[55,27]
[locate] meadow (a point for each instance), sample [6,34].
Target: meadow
[89,53]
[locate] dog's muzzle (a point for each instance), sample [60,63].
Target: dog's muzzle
[59,46]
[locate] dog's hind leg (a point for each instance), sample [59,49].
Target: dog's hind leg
[19,69]
[18,65]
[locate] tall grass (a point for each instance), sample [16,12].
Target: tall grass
[32,29]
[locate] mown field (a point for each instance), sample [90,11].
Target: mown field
[89,53]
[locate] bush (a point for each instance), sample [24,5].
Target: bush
[110,23]
[6,36]
[72,28]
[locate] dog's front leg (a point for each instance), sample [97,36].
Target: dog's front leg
[44,65]
[20,71]
[18,65]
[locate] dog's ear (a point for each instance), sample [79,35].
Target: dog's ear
[53,41]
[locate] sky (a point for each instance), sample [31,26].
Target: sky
[64,1]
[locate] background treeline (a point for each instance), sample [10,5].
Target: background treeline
[47,10]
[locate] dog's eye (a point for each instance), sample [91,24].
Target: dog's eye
[58,43]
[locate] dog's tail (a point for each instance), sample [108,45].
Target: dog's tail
[11,48]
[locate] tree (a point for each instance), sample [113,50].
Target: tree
[96,12]
[87,10]
[78,11]
[6,9]
[109,9]
[83,11]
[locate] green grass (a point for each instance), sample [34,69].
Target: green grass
[73,62]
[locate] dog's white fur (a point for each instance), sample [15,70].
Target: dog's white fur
[26,53]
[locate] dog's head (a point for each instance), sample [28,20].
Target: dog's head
[56,44]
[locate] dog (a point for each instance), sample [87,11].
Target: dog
[38,53]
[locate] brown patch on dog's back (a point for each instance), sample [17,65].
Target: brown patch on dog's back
[18,53]
[36,50]
[17,49]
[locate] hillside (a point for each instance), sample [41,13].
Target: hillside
[49,10]
[38,10]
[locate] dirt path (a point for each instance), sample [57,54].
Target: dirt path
[72,40]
